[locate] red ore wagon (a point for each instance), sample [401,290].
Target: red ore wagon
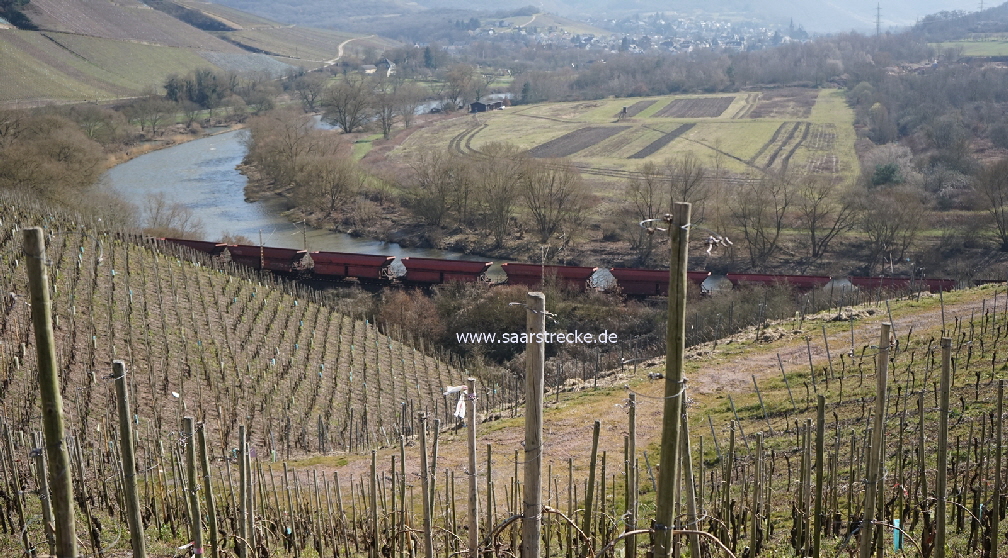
[205,246]
[531,275]
[936,285]
[650,282]
[340,265]
[264,257]
[800,282]
[433,271]
[888,283]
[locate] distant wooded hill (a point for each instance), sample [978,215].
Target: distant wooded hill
[826,16]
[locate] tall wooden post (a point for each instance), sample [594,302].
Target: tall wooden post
[998,473]
[875,456]
[590,491]
[756,514]
[535,362]
[195,516]
[425,484]
[208,492]
[675,346]
[374,549]
[128,461]
[57,456]
[819,457]
[941,489]
[630,550]
[686,453]
[473,496]
[243,504]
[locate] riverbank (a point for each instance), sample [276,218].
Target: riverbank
[381,208]
[131,152]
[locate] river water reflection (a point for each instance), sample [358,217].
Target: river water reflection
[202,175]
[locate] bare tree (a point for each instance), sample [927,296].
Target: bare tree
[150,111]
[826,210]
[348,103]
[891,219]
[334,179]
[555,196]
[309,89]
[279,143]
[648,197]
[687,177]
[410,97]
[991,189]
[758,212]
[498,175]
[164,217]
[432,192]
[460,80]
[385,103]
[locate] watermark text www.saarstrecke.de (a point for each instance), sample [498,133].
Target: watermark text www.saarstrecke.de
[572,338]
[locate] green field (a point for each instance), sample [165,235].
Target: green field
[996,47]
[808,131]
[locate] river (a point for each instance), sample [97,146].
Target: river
[202,175]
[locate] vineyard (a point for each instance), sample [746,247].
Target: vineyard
[253,405]
[123,20]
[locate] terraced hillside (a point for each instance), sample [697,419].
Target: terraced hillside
[750,133]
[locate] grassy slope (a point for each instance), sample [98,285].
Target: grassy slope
[76,68]
[303,43]
[543,21]
[976,48]
[28,78]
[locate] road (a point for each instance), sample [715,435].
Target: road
[339,49]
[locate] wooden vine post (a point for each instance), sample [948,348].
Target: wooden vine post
[630,550]
[195,515]
[875,456]
[128,461]
[998,487]
[941,487]
[535,363]
[208,492]
[425,484]
[243,504]
[473,496]
[675,346]
[590,491]
[817,518]
[57,456]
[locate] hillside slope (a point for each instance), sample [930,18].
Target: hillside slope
[827,16]
[232,345]
[91,50]
[128,20]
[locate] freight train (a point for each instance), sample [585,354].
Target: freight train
[375,269]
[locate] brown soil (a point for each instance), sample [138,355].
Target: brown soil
[696,108]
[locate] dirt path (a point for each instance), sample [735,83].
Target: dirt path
[728,369]
[339,49]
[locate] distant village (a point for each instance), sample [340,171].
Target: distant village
[642,35]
